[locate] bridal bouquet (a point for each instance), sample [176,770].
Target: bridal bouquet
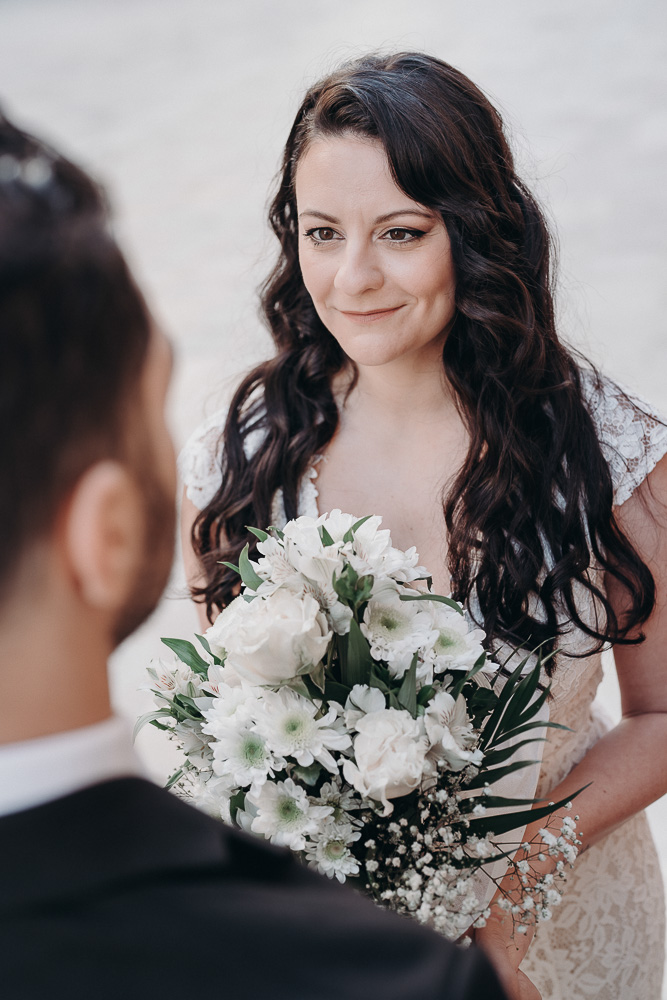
[340,708]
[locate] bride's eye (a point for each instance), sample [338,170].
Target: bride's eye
[401,235]
[321,234]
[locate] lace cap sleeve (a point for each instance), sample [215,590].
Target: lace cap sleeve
[199,463]
[632,434]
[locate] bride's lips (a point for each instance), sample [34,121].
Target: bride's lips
[371,316]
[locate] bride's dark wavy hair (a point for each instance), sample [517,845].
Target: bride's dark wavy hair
[535,489]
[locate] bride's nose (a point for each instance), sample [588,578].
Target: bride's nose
[358,270]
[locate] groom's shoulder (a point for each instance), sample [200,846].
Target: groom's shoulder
[124,886]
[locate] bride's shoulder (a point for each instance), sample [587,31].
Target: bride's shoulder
[632,432]
[201,458]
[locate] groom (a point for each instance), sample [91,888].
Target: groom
[111,887]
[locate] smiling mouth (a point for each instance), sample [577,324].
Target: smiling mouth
[371,316]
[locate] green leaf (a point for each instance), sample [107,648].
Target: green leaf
[407,694]
[351,532]
[308,775]
[317,677]
[496,773]
[187,654]
[325,536]
[432,597]
[248,574]
[490,726]
[505,822]
[474,670]
[176,776]
[236,802]
[333,691]
[495,757]
[229,565]
[358,662]
[425,695]
[500,802]
[526,728]
[143,720]
[258,533]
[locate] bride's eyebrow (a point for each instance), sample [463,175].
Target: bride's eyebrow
[422,214]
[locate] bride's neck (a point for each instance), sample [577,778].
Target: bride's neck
[393,393]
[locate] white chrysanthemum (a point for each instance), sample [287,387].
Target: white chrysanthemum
[243,756]
[271,639]
[232,707]
[454,645]
[291,728]
[395,629]
[342,800]
[361,700]
[450,732]
[285,815]
[329,851]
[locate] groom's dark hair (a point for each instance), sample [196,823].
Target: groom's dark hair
[74,331]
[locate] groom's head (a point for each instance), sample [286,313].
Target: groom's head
[86,463]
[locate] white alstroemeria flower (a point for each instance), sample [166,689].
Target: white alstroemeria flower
[450,732]
[271,639]
[195,745]
[329,852]
[243,756]
[291,728]
[395,629]
[361,700]
[285,815]
[456,645]
[219,679]
[172,678]
[390,754]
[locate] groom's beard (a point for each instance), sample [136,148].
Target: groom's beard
[156,558]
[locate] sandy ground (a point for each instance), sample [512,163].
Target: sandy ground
[182,106]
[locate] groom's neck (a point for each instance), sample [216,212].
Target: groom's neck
[53,655]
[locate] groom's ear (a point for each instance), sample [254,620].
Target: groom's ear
[102,535]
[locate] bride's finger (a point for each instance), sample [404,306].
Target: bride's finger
[527,989]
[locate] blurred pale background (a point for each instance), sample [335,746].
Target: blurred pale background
[181,106]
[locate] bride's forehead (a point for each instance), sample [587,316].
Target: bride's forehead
[347,170]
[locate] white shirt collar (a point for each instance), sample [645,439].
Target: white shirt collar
[33,772]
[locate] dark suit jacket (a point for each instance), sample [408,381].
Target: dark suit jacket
[123,891]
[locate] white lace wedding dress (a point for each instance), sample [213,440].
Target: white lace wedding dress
[606,940]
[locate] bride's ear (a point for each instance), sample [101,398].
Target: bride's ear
[103,535]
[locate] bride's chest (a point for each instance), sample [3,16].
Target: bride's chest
[407,495]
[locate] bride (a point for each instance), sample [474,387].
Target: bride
[418,375]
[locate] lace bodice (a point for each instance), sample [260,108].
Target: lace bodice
[607,939]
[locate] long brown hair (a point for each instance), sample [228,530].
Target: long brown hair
[530,513]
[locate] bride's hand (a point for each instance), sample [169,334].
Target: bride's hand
[506,952]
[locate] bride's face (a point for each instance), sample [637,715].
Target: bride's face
[377,265]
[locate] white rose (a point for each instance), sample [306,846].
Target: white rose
[390,754]
[271,639]
[450,732]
